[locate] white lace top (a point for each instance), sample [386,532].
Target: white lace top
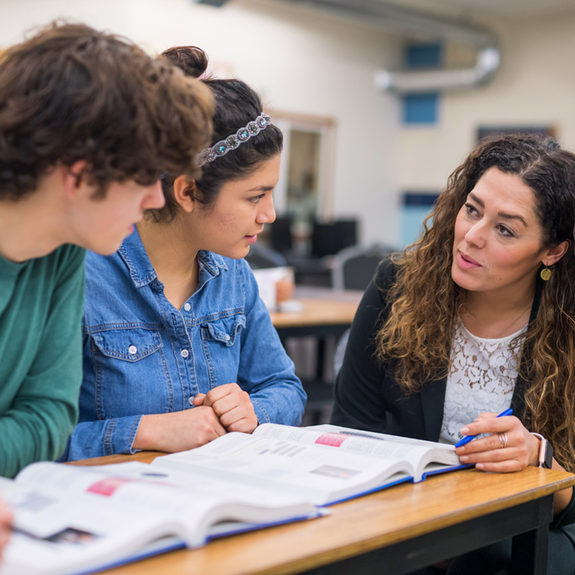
[481,378]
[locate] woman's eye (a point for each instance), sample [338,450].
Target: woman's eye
[471,210]
[256,199]
[506,232]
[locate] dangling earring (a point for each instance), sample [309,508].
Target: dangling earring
[545,274]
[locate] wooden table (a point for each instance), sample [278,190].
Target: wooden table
[325,312]
[392,532]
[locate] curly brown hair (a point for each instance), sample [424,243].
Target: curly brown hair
[420,327]
[72,93]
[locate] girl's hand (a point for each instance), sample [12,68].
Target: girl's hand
[232,405]
[178,431]
[509,446]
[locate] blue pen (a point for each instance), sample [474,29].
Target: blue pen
[468,438]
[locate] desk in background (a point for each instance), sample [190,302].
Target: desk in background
[327,314]
[394,531]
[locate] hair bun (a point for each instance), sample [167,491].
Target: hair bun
[192,60]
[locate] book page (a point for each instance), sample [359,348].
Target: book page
[122,494]
[73,518]
[76,549]
[320,475]
[326,427]
[59,534]
[189,501]
[418,453]
[230,501]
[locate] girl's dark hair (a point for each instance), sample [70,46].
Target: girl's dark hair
[418,332]
[236,104]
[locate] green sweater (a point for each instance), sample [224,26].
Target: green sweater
[41,302]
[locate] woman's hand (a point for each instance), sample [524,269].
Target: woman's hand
[178,431]
[232,405]
[521,449]
[509,447]
[5,526]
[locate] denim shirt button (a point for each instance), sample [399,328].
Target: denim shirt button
[187,307]
[132,350]
[184,353]
[227,337]
[191,400]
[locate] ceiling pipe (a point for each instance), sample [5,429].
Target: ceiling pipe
[440,80]
[423,26]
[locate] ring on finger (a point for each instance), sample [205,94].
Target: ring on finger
[502,440]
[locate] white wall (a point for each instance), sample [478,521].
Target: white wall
[304,61]
[298,59]
[535,85]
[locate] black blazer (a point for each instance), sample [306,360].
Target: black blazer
[366,394]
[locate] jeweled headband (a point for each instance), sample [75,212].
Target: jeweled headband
[235,140]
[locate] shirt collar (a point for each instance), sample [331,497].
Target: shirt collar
[212,263]
[210,266]
[142,272]
[133,252]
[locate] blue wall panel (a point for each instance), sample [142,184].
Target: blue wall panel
[416,207]
[423,56]
[422,108]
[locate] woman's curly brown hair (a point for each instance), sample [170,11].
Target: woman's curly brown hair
[420,328]
[72,93]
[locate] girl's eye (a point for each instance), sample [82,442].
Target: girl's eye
[256,199]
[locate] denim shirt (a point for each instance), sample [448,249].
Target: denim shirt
[144,356]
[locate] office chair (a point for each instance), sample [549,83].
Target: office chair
[353,267]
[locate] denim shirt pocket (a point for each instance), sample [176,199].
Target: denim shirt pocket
[224,330]
[128,344]
[221,349]
[128,364]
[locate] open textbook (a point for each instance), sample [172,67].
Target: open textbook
[71,520]
[324,464]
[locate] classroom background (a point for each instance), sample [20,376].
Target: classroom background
[355,151]
[379,101]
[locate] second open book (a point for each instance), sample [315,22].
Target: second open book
[323,464]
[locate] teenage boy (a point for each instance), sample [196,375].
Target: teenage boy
[88,123]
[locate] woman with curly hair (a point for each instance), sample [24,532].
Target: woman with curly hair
[477,317]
